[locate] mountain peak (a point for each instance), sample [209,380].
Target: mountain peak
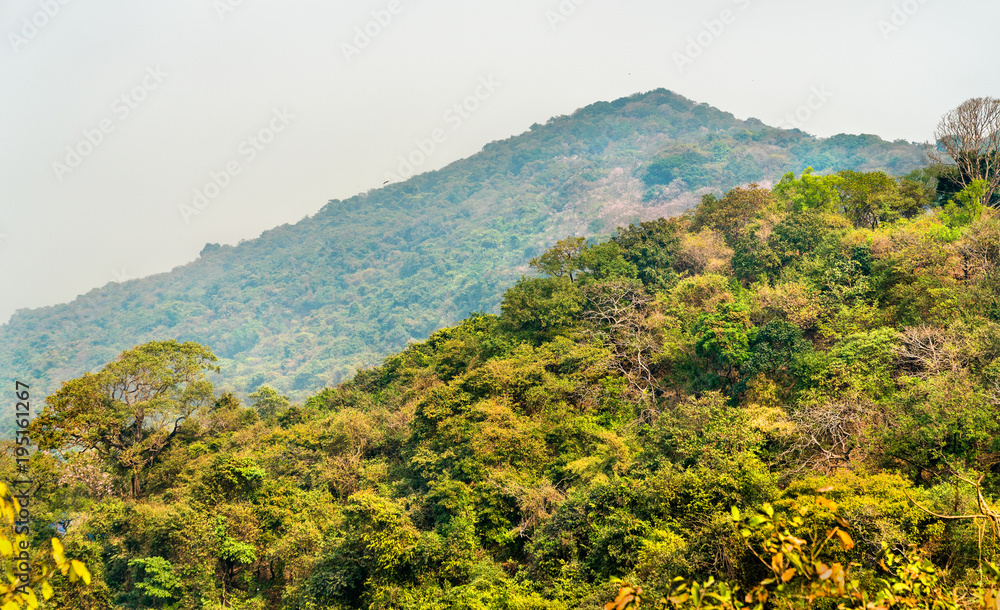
[304,305]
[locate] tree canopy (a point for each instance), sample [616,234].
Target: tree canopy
[660,405]
[784,397]
[131,410]
[305,305]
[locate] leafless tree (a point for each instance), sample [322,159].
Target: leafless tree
[832,434]
[925,351]
[969,138]
[619,311]
[980,249]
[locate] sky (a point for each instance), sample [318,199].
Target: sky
[133,133]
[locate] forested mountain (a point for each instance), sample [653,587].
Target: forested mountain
[302,306]
[792,391]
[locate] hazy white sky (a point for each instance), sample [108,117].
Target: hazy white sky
[113,113]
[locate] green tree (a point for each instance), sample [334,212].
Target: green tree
[871,198]
[774,349]
[157,580]
[686,162]
[562,259]
[754,258]
[545,306]
[920,185]
[233,555]
[574,259]
[268,402]
[131,410]
[652,247]
[732,213]
[965,208]
[723,339]
[606,262]
[808,192]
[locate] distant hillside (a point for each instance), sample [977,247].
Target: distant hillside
[304,305]
[648,411]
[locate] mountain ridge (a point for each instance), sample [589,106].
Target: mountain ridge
[304,305]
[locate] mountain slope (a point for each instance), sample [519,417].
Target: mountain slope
[304,305]
[611,423]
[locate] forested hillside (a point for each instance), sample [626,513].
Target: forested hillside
[303,306]
[635,405]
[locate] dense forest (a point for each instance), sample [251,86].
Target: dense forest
[304,305]
[790,391]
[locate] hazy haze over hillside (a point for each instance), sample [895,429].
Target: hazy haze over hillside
[304,305]
[200,78]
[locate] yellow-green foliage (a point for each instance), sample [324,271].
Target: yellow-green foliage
[609,424]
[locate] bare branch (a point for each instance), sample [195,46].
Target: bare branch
[926,351]
[985,510]
[969,138]
[619,312]
[831,433]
